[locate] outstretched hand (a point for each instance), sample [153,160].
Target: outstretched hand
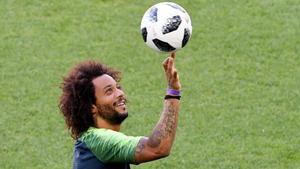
[171,72]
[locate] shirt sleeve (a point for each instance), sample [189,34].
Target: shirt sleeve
[111,146]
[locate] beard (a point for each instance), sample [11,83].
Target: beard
[109,113]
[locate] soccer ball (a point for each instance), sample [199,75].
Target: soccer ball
[166,27]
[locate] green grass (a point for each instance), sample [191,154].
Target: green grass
[240,74]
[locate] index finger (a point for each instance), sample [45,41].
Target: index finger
[172,55]
[165,63]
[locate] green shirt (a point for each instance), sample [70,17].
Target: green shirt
[110,146]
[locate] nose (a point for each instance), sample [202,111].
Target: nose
[120,93]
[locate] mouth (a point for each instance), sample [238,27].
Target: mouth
[121,103]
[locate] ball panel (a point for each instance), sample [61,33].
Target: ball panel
[186,37]
[144,34]
[171,24]
[163,46]
[153,14]
[173,38]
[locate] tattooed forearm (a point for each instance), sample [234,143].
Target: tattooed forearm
[166,126]
[169,121]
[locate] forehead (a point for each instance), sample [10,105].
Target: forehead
[101,82]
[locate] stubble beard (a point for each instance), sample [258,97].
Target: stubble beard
[108,113]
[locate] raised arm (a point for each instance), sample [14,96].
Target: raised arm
[159,143]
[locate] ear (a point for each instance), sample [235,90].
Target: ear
[94,109]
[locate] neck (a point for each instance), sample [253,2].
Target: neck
[102,123]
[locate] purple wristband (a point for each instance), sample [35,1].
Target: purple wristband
[173,92]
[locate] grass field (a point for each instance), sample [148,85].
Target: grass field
[240,74]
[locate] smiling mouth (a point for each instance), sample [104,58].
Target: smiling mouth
[120,103]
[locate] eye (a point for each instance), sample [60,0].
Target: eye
[108,91]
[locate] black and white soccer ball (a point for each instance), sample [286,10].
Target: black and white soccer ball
[166,27]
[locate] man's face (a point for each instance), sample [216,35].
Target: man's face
[110,100]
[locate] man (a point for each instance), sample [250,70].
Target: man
[94,106]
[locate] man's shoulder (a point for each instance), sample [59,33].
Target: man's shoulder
[109,145]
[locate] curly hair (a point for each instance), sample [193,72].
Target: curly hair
[78,95]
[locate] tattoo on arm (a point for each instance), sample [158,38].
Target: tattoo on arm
[140,146]
[166,126]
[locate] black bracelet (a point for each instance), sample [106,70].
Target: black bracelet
[172,97]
